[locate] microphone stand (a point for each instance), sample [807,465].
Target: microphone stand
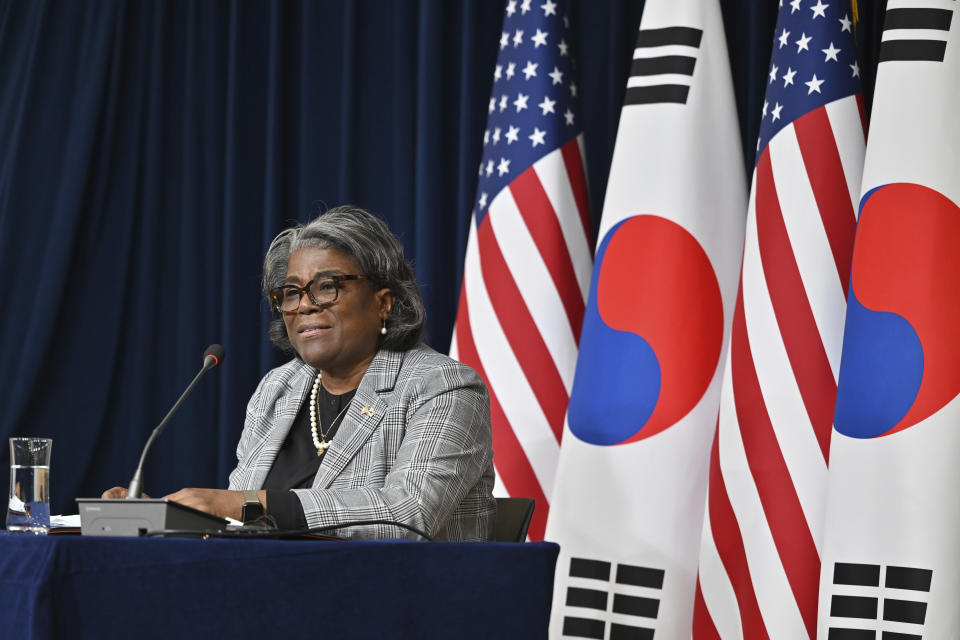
[135,515]
[135,490]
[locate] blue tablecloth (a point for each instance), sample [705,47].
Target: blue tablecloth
[61,586]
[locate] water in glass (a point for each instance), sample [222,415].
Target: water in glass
[29,508]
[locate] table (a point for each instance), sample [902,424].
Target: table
[62,586]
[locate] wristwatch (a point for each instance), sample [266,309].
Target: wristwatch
[252,508]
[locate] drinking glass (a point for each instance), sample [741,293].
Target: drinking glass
[28,510]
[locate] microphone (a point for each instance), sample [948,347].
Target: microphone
[212,357]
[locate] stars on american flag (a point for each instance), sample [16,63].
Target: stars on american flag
[531,109]
[813,62]
[783,39]
[831,53]
[814,84]
[818,10]
[549,8]
[547,105]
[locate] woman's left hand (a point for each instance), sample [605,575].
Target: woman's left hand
[219,502]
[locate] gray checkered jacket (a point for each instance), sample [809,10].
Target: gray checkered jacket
[415,446]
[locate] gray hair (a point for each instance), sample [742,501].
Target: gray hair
[365,238]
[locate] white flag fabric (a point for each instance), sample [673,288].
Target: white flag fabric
[631,480]
[891,552]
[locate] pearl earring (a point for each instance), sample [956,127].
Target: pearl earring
[383,327]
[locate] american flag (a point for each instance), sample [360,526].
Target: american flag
[760,552]
[528,262]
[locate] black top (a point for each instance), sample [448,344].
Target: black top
[297,461]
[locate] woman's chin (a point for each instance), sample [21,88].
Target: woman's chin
[314,354]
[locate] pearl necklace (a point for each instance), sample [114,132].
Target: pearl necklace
[320,442]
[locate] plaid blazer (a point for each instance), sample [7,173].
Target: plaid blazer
[415,446]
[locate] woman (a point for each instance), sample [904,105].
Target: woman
[365,422]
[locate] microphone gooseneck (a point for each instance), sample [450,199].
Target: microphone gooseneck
[212,357]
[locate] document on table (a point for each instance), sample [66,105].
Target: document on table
[65,521]
[73,521]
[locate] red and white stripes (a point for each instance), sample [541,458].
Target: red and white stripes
[525,283]
[760,558]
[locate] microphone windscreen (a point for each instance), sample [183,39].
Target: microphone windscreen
[216,352]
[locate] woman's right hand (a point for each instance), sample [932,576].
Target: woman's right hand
[118,493]
[115,493]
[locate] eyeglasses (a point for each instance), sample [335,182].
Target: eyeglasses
[323,292]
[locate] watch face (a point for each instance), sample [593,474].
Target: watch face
[251,511]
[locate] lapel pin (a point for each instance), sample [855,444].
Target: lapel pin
[367,411]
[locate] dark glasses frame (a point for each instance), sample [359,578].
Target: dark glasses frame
[277,295]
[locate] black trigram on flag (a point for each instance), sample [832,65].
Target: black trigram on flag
[593,599]
[915,33]
[858,604]
[663,64]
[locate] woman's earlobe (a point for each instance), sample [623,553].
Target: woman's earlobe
[386,304]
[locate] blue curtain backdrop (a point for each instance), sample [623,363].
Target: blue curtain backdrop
[150,150]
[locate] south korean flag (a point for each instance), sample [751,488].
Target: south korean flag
[891,553]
